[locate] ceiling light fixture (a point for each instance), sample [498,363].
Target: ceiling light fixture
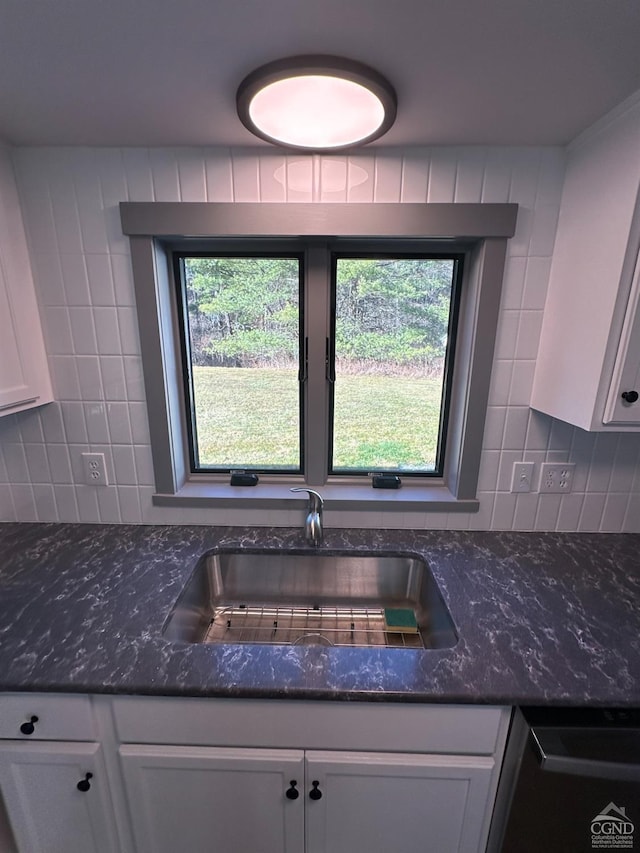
[316,103]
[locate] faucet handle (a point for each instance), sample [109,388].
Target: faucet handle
[315,498]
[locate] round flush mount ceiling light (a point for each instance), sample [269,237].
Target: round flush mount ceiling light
[317,103]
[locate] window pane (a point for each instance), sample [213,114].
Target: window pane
[392,324]
[243,334]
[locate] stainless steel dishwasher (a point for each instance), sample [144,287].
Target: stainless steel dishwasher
[570,783]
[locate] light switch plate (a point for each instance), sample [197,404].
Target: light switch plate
[522,477]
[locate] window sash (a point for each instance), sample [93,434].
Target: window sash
[388,251]
[197,466]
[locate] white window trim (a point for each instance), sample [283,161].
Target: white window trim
[482,229]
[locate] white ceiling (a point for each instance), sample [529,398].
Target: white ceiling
[165,72]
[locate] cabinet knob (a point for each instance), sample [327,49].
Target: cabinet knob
[29,728]
[84,784]
[292,793]
[315,793]
[629,396]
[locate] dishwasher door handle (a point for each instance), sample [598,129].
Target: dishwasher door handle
[556,761]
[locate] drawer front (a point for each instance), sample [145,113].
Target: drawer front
[310,725]
[58,717]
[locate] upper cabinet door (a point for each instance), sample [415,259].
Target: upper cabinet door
[623,403]
[588,353]
[24,371]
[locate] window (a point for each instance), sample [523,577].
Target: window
[389,355]
[318,344]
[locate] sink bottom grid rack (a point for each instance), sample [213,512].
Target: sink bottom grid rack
[296,625]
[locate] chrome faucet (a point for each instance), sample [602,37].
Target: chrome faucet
[313,522]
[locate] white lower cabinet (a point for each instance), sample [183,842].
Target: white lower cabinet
[56,798]
[289,801]
[126,774]
[255,776]
[203,798]
[54,786]
[377,802]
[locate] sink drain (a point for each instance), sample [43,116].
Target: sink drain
[312,640]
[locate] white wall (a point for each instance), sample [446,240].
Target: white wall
[82,270]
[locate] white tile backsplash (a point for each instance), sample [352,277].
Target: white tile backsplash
[59,463]
[499,393]
[570,510]
[45,502]
[119,424]
[113,377]
[24,503]
[526,511]
[100,280]
[31,427]
[58,330]
[442,175]
[83,330]
[415,176]
[75,279]
[548,512]
[52,424]
[89,377]
[129,500]
[66,502]
[218,178]
[107,331]
[16,463]
[48,276]
[504,507]
[496,178]
[74,423]
[124,465]
[83,274]
[521,382]
[37,463]
[388,180]
[528,334]
[515,428]
[591,517]
[470,173]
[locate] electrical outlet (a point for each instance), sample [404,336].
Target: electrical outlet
[95,472]
[556,478]
[522,477]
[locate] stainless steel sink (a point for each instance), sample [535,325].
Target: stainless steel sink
[284,597]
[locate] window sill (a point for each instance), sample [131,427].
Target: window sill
[436,498]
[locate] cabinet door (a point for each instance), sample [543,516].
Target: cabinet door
[24,372]
[46,810]
[626,371]
[18,384]
[201,799]
[378,803]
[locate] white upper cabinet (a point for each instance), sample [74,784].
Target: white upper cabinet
[588,367]
[24,371]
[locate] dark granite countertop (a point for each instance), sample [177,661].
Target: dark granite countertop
[543,618]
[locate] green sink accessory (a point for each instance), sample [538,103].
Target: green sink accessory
[401,620]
